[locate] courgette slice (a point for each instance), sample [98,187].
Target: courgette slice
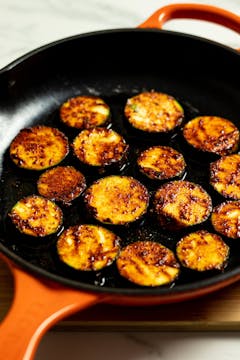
[88,247]
[154,112]
[148,263]
[99,147]
[202,251]
[225,219]
[161,163]
[39,147]
[117,200]
[36,216]
[225,176]
[61,183]
[212,134]
[179,204]
[84,112]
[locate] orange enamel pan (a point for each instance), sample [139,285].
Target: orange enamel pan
[114,64]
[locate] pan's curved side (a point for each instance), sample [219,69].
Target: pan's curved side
[38,304]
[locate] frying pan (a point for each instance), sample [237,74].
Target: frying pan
[114,64]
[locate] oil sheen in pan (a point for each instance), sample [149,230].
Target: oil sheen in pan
[17,183]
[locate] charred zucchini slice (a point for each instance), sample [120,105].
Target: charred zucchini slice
[153,112]
[99,147]
[36,216]
[161,163]
[225,176]
[179,204]
[202,251]
[117,200]
[84,112]
[39,147]
[226,219]
[148,263]
[62,183]
[212,134]
[88,247]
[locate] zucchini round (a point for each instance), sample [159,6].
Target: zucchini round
[212,134]
[39,147]
[148,263]
[225,176]
[62,183]
[99,147]
[36,216]
[84,112]
[117,200]
[88,247]
[161,163]
[225,219]
[179,204]
[202,251]
[154,112]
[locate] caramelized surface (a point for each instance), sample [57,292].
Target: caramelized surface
[212,134]
[148,263]
[36,216]
[179,204]
[153,112]
[117,199]
[99,147]
[225,176]
[39,147]
[226,219]
[62,183]
[202,251]
[161,162]
[84,112]
[88,247]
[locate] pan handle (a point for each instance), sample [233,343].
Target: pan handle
[193,11]
[37,305]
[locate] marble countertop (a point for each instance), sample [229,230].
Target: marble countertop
[26,25]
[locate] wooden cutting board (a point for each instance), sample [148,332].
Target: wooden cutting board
[218,311]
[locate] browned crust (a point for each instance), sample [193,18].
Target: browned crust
[117,200]
[82,112]
[179,204]
[41,216]
[62,183]
[225,176]
[225,219]
[212,134]
[99,147]
[39,147]
[148,263]
[202,251]
[88,247]
[154,112]
[161,162]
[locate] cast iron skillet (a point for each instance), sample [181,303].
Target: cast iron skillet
[115,64]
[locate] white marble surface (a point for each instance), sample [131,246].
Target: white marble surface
[27,24]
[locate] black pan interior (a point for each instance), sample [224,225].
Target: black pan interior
[115,65]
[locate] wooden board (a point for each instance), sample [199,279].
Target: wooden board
[218,311]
